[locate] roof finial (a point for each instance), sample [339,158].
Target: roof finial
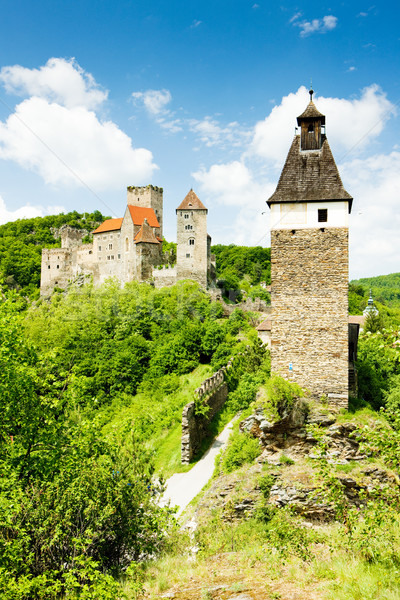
[311,91]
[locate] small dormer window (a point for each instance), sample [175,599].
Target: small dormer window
[322,215]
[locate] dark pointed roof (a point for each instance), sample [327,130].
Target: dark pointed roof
[191,202]
[311,113]
[310,176]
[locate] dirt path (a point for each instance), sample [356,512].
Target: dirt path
[183,487]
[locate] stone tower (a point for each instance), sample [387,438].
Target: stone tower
[309,265]
[193,248]
[149,196]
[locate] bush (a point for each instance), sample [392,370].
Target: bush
[282,394]
[242,449]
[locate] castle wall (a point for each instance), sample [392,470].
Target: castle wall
[309,296]
[192,249]
[108,256]
[148,255]
[164,277]
[55,269]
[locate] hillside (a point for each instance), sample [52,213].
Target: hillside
[385,288]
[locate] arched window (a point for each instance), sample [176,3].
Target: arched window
[191,241]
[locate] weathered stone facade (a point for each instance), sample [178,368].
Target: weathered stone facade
[194,245]
[309,338]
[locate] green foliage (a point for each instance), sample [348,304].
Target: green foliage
[246,392]
[76,505]
[385,288]
[242,449]
[378,364]
[238,261]
[282,394]
[22,241]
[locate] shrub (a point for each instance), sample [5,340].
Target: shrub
[242,449]
[282,394]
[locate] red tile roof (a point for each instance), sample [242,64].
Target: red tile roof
[190,202]
[140,213]
[146,234]
[109,225]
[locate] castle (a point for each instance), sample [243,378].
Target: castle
[309,266]
[130,248]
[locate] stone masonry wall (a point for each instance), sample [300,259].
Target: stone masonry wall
[214,391]
[309,339]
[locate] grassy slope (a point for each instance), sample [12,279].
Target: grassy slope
[280,559]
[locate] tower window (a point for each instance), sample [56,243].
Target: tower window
[322,215]
[188,226]
[186,215]
[48,267]
[110,246]
[187,255]
[191,242]
[99,248]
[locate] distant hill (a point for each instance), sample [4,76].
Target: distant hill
[22,241]
[385,288]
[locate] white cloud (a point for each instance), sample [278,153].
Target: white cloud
[55,134]
[195,24]
[154,101]
[375,221]
[62,81]
[26,212]
[211,133]
[351,124]
[327,23]
[352,68]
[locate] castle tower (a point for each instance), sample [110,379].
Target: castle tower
[149,196]
[193,249]
[309,265]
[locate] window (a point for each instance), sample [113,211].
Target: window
[48,267]
[119,256]
[188,226]
[112,256]
[322,215]
[126,245]
[187,255]
[186,215]
[108,258]
[99,248]
[191,241]
[110,246]
[58,266]
[311,128]
[90,252]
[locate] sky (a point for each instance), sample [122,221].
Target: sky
[97,95]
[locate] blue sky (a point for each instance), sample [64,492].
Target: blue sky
[96,96]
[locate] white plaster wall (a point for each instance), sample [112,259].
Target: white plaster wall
[304,215]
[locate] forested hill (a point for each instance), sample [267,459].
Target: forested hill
[385,288]
[235,263]
[21,244]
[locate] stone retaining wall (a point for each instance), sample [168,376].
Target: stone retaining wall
[213,392]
